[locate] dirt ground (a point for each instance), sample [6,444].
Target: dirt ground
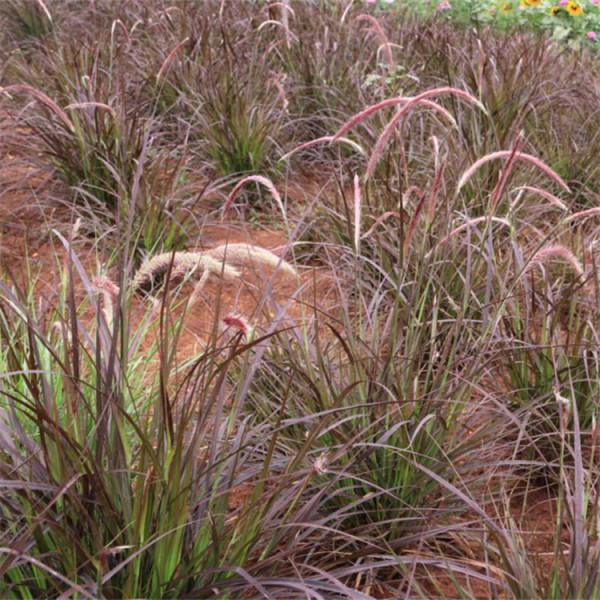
[30,251]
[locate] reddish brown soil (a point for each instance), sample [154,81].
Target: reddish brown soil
[30,252]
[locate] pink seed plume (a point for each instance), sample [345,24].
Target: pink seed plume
[357,212]
[389,129]
[376,29]
[434,193]
[413,223]
[409,103]
[60,113]
[106,286]
[545,194]
[327,138]
[584,214]
[101,105]
[238,323]
[118,23]
[258,179]
[170,57]
[550,252]
[518,155]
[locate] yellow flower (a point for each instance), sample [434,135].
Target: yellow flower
[506,7]
[555,10]
[533,2]
[574,9]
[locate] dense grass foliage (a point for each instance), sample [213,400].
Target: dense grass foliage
[439,183]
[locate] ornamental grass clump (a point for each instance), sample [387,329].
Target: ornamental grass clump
[85,107]
[86,119]
[144,460]
[386,425]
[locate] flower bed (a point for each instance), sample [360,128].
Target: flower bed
[576,22]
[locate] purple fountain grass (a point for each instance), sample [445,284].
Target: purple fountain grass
[118,23]
[517,155]
[413,189]
[582,215]
[380,220]
[545,194]
[469,223]
[170,57]
[110,296]
[237,323]
[413,224]
[409,102]
[55,108]
[258,179]
[392,213]
[361,116]
[434,193]
[286,12]
[100,105]
[391,126]
[357,213]
[276,82]
[104,285]
[506,172]
[378,31]
[300,419]
[43,6]
[327,138]
[550,252]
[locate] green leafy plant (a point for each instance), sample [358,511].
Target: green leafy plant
[575,22]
